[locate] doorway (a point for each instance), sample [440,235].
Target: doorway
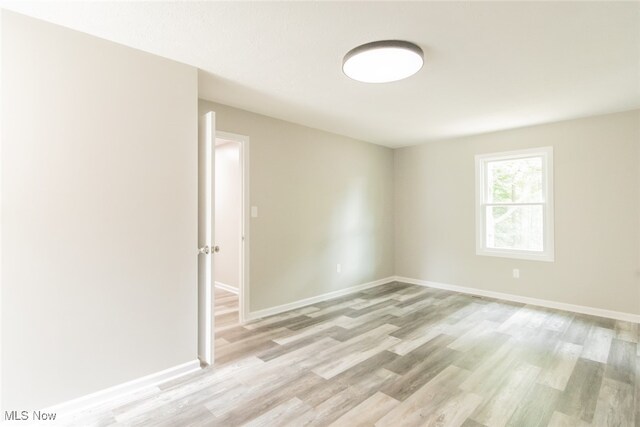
[227,248]
[229,231]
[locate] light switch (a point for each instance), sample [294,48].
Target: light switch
[254,212]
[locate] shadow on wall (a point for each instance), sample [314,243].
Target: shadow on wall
[354,244]
[348,239]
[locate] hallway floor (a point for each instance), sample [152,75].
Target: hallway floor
[226,309]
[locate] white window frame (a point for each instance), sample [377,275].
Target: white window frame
[547,254]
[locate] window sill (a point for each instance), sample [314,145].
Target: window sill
[529,256]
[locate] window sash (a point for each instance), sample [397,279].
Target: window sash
[485,221]
[485,175]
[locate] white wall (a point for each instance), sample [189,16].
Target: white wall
[228,213]
[597,213]
[99,158]
[322,199]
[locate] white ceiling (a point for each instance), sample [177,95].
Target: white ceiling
[488,66]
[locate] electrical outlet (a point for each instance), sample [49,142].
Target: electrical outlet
[516,273]
[339,268]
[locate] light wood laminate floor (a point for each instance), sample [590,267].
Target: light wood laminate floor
[399,355]
[225,310]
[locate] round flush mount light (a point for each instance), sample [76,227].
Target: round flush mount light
[383,61]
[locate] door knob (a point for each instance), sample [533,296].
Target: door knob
[216,249]
[204,250]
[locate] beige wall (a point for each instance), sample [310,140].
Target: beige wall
[228,214]
[597,213]
[322,199]
[99,193]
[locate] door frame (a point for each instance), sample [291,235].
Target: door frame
[243,287]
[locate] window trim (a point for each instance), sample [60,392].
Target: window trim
[481,184]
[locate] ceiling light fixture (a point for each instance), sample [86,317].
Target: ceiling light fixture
[383,61]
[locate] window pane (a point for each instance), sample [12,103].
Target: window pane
[517,181]
[515,227]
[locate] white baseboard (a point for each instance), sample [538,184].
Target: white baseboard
[601,312]
[227,288]
[253,315]
[102,396]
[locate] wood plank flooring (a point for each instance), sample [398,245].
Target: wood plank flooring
[402,355]
[225,309]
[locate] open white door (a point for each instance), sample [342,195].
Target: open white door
[206,188]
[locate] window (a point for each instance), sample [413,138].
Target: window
[514,204]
